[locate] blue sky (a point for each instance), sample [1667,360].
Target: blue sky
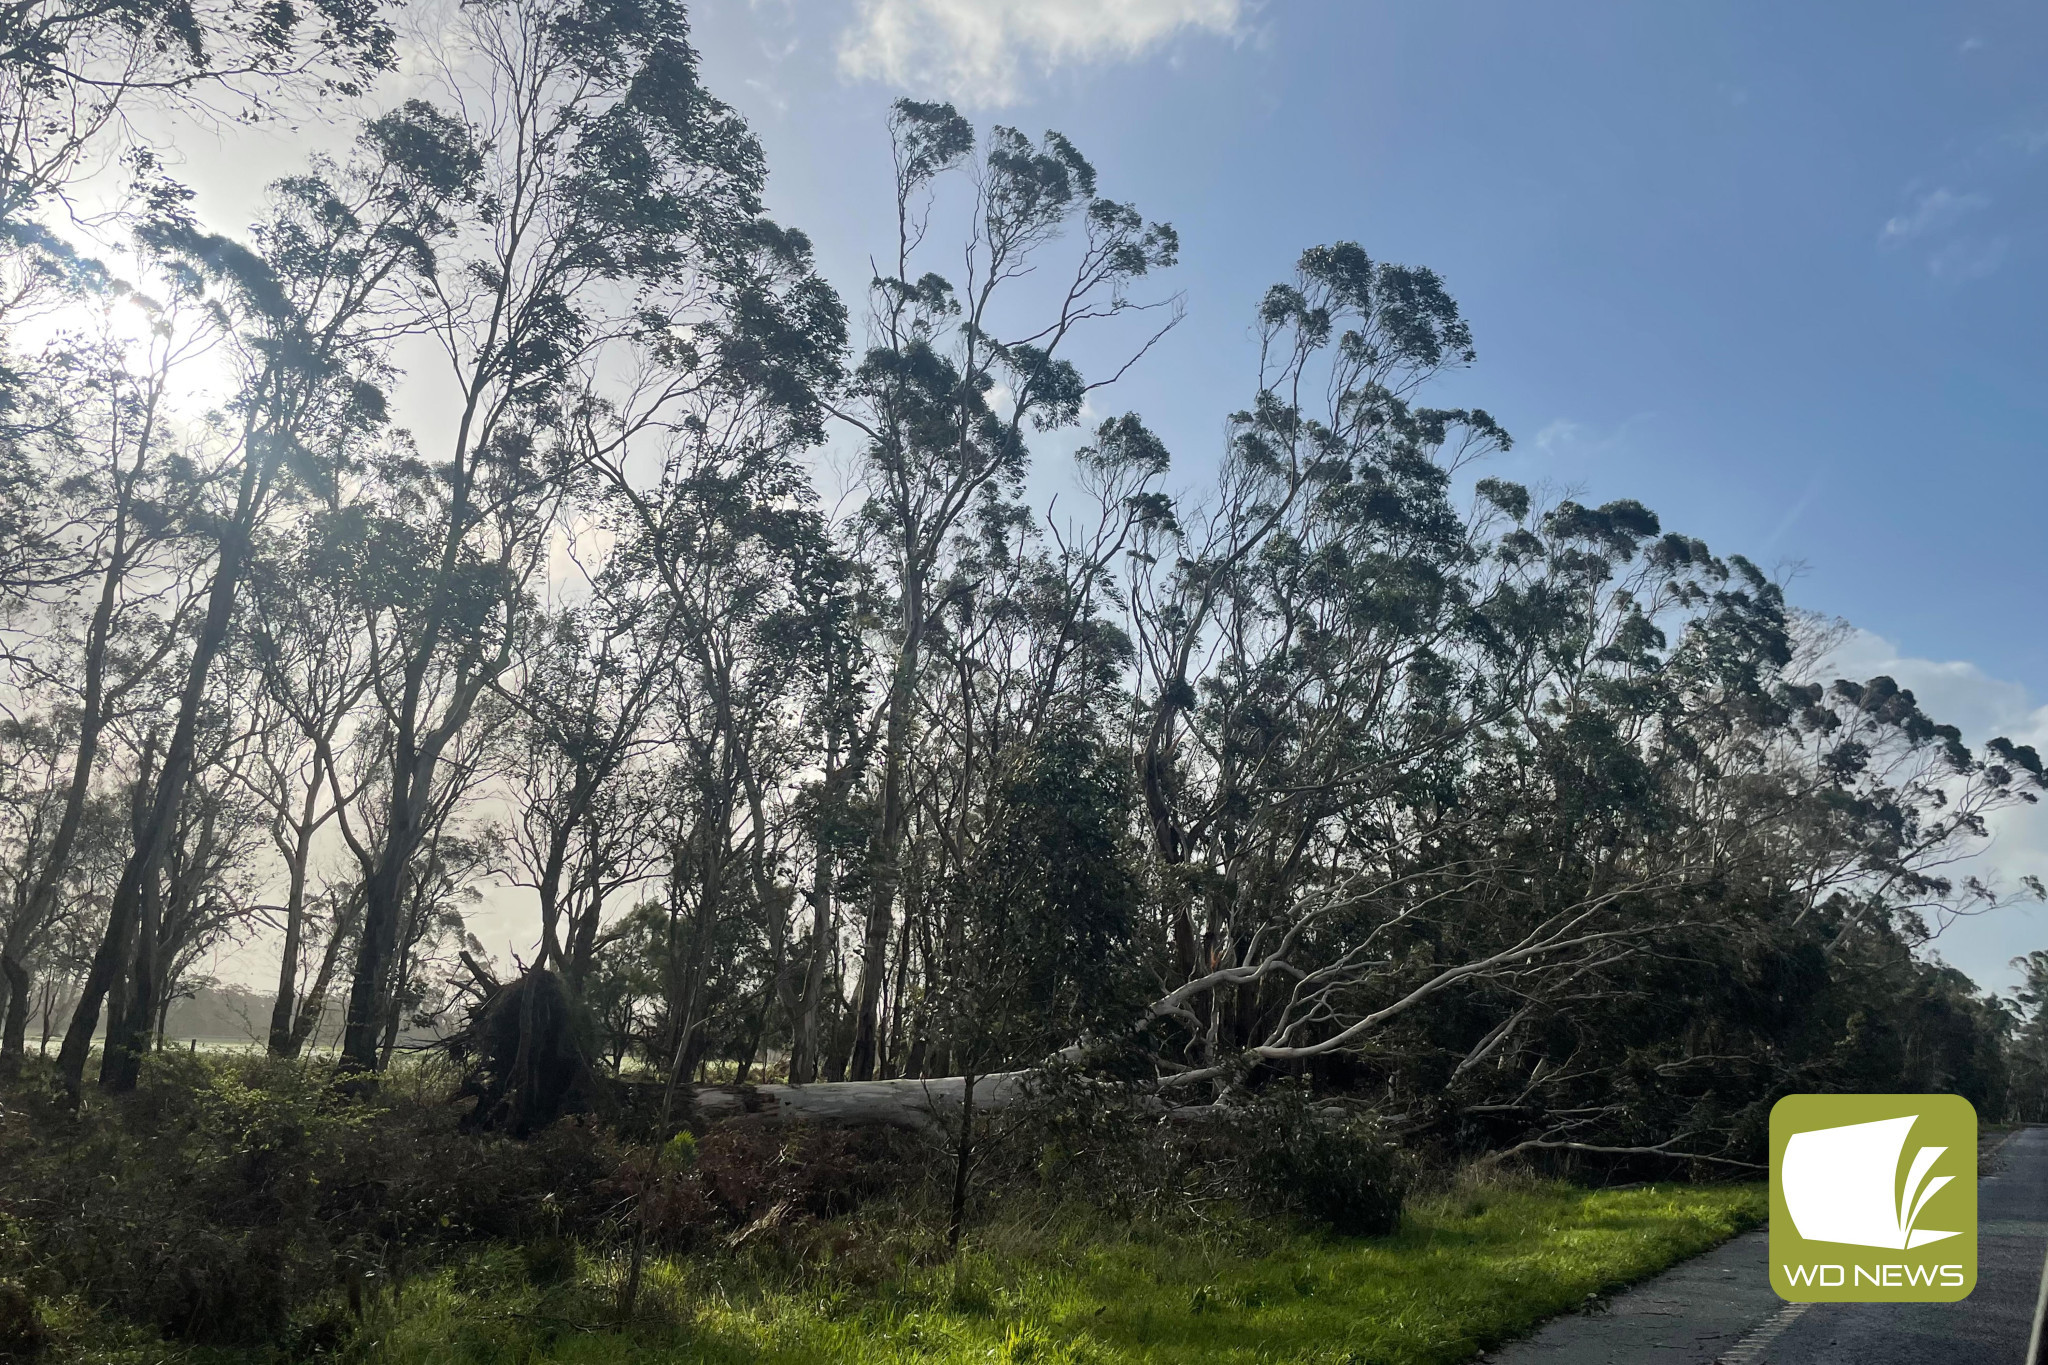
[1776,271]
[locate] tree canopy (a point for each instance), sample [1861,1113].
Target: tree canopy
[502,559]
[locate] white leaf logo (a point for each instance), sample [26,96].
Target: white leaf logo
[1842,1185]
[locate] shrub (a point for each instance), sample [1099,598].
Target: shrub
[227,1194]
[745,1173]
[1325,1166]
[22,1334]
[1283,1150]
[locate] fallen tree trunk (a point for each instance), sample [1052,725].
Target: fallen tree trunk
[525,1067]
[916,1105]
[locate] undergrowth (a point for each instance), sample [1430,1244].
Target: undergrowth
[1468,1269]
[244,1212]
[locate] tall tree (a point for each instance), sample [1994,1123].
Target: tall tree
[307,313]
[946,394]
[110,605]
[609,185]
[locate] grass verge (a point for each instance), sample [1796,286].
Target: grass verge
[1467,1270]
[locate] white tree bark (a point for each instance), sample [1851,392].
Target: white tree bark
[916,1105]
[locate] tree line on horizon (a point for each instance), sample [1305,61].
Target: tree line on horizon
[460,520]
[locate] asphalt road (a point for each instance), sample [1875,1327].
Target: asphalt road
[1719,1308]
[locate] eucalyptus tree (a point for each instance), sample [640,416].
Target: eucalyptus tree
[98,420]
[834,666]
[1310,647]
[337,908]
[718,553]
[1026,667]
[2026,1015]
[307,314]
[953,379]
[439,885]
[1447,796]
[590,684]
[1820,826]
[207,896]
[72,75]
[739,547]
[607,185]
[40,931]
[303,671]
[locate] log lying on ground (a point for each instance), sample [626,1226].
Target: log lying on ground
[917,1105]
[525,1067]
[920,1106]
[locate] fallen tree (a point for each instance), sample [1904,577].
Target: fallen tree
[917,1105]
[526,1066]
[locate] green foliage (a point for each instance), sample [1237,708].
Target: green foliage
[225,1195]
[1047,922]
[2026,1020]
[751,1182]
[1288,1154]
[1468,1270]
[1330,1169]
[23,1333]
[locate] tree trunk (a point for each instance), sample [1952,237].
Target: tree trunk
[548,886]
[929,1107]
[923,1106]
[153,838]
[14,1033]
[128,1040]
[394,1016]
[905,1035]
[403,963]
[42,899]
[804,1045]
[890,1043]
[884,859]
[583,926]
[362,1032]
[50,999]
[710,889]
[314,1003]
[285,1007]
[963,1163]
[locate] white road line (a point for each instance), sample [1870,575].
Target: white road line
[2040,1312]
[1762,1335]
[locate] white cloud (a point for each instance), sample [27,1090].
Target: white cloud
[1955,256]
[1560,434]
[1563,444]
[1934,210]
[1957,692]
[978,51]
[1962,694]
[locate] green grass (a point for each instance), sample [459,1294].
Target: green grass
[1466,1271]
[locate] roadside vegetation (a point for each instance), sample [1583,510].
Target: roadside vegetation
[231,1215]
[1466,1271]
